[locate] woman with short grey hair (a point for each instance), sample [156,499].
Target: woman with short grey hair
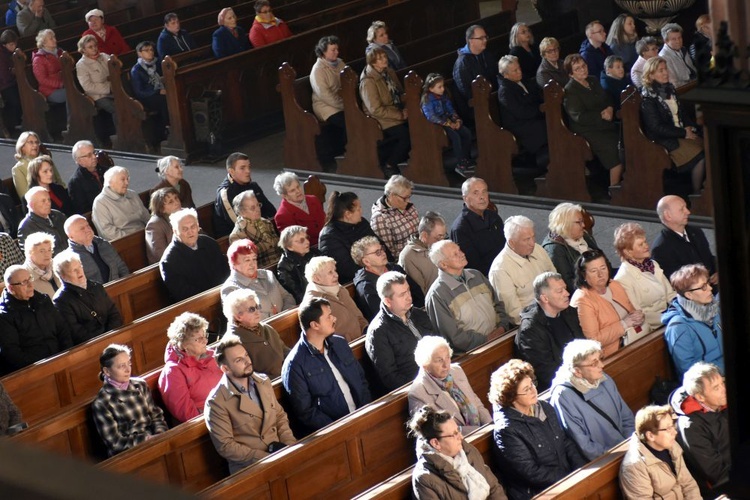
[394,217]
[39,249]
[298,208]
[250,225]
[170,170]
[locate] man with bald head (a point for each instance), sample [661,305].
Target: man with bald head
[100,260]
[679,243]
[42,218]
[31,329]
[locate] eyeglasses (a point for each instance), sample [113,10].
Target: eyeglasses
[90,155]
[453,435]
[668,428]
[594,364]
[201,339]
[530,390]
[379,252]
[405,198]
[551,51]
[252,309]
[597,32]
[25,282]
[703,287]
[485,38]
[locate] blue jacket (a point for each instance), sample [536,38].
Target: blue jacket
[469,65]
[10,16]
[614,87]
[593,434]
[224,44]
[439,109]
[594,57]
[169,44]
[314,395]
[142,88]
[690,340]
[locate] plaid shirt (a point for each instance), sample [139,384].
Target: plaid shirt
[10,252]
[263,234]
[126,418]
[394,226]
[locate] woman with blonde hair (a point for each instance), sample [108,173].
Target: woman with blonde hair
[377,38]
[28,147]
[551,67]
[622,38]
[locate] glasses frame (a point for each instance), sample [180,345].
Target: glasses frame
[459,432]
[705,286]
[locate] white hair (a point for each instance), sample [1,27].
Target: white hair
[109,174]
[77,147]
[233,303]
[436,252]
[33,192]
[514,224]
[62,260]
[35,239]
[427,346]
[315,265]
[282,182]
[176,218]
[466,186]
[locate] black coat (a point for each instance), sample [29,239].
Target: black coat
[89,312]
[291,272]
[30,331]
[336,240]
[530,453]
[520,113]
[10,214]
[529,61]
[223,224]
[187,272]
[564,257]
[368,300]
[480,238]
[672,252]
[83,187]
[536,343]
[657,121]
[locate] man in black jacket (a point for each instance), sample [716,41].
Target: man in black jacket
[88,179]
[547,326]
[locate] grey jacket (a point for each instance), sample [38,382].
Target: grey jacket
[117,268]
[116,215]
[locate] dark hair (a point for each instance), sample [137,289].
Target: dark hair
[107,359]
[259,4]
[505,380]
[338,203]
[311,310]
[585,258]
[171,16]
[431,80]
[156,203]
[221,347]
[570,60]
[8,36]
[234,158]
[426,422]
[142,45]
[323,44]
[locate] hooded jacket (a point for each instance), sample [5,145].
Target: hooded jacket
[468,66]
[185,382]
[118,215]
[595,57]
[690,340]
[350,323]
[169,44]
[415,260]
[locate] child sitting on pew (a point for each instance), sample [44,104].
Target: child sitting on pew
[438,108]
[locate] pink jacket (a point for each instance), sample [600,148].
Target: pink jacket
[185,382]
[289,215]
[599,319]
[47,71]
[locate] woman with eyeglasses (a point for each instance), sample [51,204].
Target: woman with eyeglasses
[266,27]
[604,309]
[190,371]
[250,225]
[693,320]
[551,67]
[653,466]
[261,340]
[530,446]
[587,401]
[522,46]
[447,466]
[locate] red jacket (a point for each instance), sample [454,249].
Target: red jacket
[185,382]
[115,43]
[262,34]
[47,71]
[289,215]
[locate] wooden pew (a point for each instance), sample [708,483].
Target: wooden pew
[569,152]
[82,108]
[130,113]
[33,103]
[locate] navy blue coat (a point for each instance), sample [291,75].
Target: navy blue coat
[480,238]
[169,44]
[595,57]
[225,44]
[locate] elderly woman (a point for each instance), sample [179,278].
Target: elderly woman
[377,38]
[522,47]
[443,385]
[82,303]
[368,253]
[39,248]
[266,27]
[296,253]
[693,320]
[344,225]
[41,172]
[604,309]
[447,466]
[647,48]
[323,282]
[531,447]
[297,208]
[124,411]
[243,262]
[394,217]
[164,202]
[653,466]
[117,210]
[45,63]
[263,343]
[93,74]
[551,67]
[109,37]
[190,371]
[381,92]
[642,278]
[622,38]
[250,225]
[591,115]
[229,39]
[328,106]
[28,147]
[666,123]
[567,240]
[170,170]
[587,401]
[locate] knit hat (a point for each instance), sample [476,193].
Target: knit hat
[94,12]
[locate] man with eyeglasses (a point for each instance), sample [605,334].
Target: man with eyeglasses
[473,60]
[88,179]
[31,329]
[594,49]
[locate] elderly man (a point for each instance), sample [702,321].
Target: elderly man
[243,417]
[478,230]
[100,260]
[679,244]
[83,303]
[108,38]
[473,59]
[394,332]
[679,64]
[42,218]
[394,218]
[514,269]
[461,303]
[415,259]
[339,386]
[238,180]
[547,325]
[703,425]
[594,49]
[34,18]
[88,179]
[31,329]
[297,208]
[193,262]
[118,211]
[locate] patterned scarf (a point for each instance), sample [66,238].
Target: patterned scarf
[392,88]
[468,410]
[154,79]
[647,266]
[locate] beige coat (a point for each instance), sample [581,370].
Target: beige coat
[415,260]
[240,430]
[266,349]
[650,293]
[325,81]
[377,99]
[642,475]
[350,323]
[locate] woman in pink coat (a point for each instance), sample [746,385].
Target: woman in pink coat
[47,68]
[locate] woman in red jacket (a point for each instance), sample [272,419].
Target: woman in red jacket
[47,68]
[267,28]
